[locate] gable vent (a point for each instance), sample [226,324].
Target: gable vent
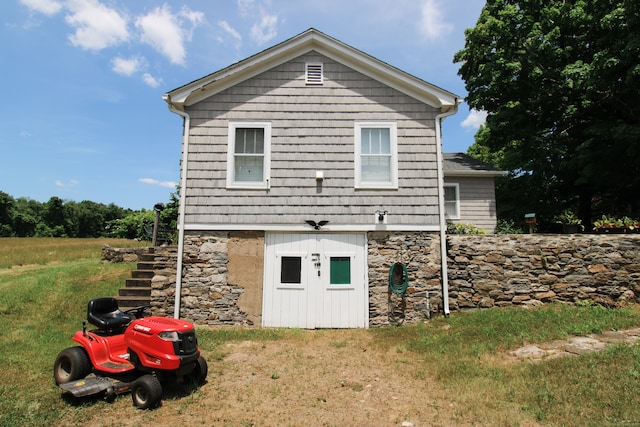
[314,74]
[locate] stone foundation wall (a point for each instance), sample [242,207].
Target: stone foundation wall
[529,270]
[223,278]
[222,274]
[420,252]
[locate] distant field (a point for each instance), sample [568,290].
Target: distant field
[17,251]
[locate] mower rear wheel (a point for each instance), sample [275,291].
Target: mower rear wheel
[71,364]
[146,392]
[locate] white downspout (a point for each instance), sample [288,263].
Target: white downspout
[183,197]
[442,220]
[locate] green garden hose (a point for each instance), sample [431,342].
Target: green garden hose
[398,282]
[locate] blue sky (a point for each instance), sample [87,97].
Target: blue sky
[83,116]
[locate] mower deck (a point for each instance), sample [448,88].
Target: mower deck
[92,384]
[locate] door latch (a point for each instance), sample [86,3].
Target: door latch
[316,262]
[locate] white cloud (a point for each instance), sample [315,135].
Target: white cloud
[70,183]
[97,26]
[126,66]
[193,17]
[151,181]
[150,80]
[432,23]
[231,31]
[47,7]
[265,30]
[475,119]
[163,30]
[244,6]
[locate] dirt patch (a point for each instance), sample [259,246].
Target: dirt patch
[320,378]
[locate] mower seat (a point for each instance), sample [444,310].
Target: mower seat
[106,316]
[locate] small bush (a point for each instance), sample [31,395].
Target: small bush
[463,228]
[507,226]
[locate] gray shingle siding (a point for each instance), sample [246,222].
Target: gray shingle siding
[312,129]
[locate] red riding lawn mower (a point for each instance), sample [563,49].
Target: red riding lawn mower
[129,355]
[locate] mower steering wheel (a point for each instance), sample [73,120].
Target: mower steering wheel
[138,312]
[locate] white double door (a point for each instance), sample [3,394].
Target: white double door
[315,280]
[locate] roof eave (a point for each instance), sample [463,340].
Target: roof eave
[470,173]
[216,82]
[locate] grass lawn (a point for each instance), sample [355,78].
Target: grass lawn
[43,302]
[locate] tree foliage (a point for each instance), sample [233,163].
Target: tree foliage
[59,218]
[559,80]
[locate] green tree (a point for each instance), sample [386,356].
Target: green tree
[559,81]
[27,215]
[132,225]
[7,206]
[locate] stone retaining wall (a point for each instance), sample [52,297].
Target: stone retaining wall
[529,270]
[222,274]
[127,255]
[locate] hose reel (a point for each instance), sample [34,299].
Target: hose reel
[398,278]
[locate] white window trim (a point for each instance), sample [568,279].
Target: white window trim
[316,81]
[457,187]
[231,183]
[393,134]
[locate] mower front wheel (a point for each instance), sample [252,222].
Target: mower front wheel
[146,392]
[200,371]
[71,364]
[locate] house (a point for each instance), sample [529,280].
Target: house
[469,191]
[311,172]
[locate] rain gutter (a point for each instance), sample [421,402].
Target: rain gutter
[183,195]
[442,221]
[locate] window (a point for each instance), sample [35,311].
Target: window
[452,201]
[291,270]
[376,164]
[248,155]
[340,270]
[314,75]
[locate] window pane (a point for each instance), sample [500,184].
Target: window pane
[376,168]
[249,168]
[450,209]
[340,271]
[365,141]
[375,141]
[249,141]
[450,194]
[291,269]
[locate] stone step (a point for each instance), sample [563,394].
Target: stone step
[138,283]
[142,274]
[141,291]
[150,265]
[147,257]
[127,302]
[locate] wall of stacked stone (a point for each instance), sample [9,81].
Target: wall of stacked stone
[420,252]
[127,255]
[530,270]
[163,283]
[206,297]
